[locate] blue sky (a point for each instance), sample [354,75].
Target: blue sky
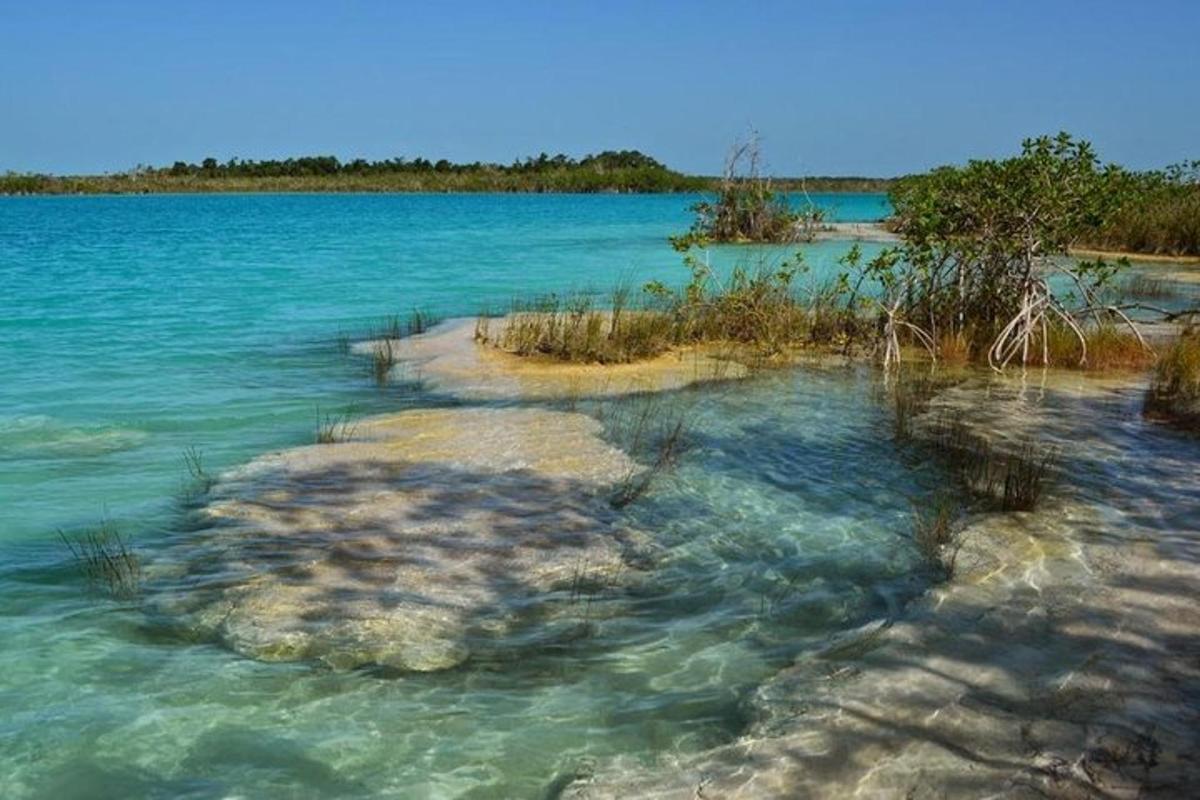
[874,88]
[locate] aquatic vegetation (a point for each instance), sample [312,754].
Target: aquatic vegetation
[383,358]
[1025,475]
[1104,346]
[909,397]
[199,481]
[654,431]
[758,311]
[934,533]
[1174,392]
[1009,479]
[420,321]
[343,343]
[573,328]
[106,559]
[747,208]
[334,428]
[1143,285]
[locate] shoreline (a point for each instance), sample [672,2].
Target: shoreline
[1056,663]
[1091,685]
[1148,258]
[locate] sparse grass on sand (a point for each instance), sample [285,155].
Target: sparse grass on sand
[759,313]
[334,428]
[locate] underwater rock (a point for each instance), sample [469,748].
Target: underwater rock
[432,535]
[1060,661]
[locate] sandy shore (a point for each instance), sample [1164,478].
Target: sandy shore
[448,358]
[855,231]
[1146,258]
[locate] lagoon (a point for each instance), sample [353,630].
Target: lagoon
[136,327]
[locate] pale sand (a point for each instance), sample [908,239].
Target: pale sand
[450,360]
[855,231]
[1112,255]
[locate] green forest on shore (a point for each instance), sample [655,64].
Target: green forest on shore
[610,171]
[1159,210]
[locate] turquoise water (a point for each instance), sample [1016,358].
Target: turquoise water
[134,327]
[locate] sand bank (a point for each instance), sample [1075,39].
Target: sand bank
[855,231]
[449,359]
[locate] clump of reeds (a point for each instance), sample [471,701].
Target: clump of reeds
[652,430]
[395,327]
[383,358]
[1144,286]
[334,428]
[420,321]
[574,328]
[1174,392]
[757,311]
[199,481]
[1105,346]
[106,559]
[909,397]
[1025,475]
[935,533]
[1011,480]
[391,328]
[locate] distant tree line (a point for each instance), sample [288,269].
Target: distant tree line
[608,171]
[1159,213]
[306,166]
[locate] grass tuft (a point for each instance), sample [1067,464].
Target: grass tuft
[107,560]
[383,358]
[652,430]
[334,429]
[1010,480]
[1174,393]
[935,533]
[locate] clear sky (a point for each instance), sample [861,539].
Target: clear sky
[862,87]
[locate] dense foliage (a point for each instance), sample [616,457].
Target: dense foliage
[981,244]
[610,171]
[1159,213]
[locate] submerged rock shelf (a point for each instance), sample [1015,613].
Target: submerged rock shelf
[1062,661]
[428,537]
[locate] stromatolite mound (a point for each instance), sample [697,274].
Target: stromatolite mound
[431,536]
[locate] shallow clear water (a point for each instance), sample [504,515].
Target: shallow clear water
[134,327]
